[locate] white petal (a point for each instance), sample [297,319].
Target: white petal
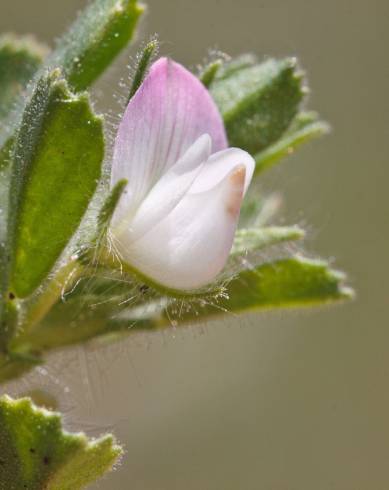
[189,248]
[166,193]
[219,165]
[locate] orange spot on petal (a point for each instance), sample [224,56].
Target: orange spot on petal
[234,199]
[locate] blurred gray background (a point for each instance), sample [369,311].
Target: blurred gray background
[277,401]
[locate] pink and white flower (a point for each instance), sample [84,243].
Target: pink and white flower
[176,220]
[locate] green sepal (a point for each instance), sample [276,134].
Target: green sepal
[20,58]
[109,206]
[305,127]
[59,152]
[144,59]
[259,102]
[251,239]
[101,31]
[36,453]
[209,72]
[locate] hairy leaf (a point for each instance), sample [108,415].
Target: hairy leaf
[259,102]
[249,239]
[101,31]
[233,65]
[294,282]
[104,307]
[36,453]
[98,35]
[81,315]
[58,158]
[305,127]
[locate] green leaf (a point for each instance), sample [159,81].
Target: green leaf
[36,453]
[79,285]
[113,307]
[58,158]
[143,62]
[305,127]
[259,102]
[284,283]
[82,314]
[20,58]
[230,67]
[101,31]
[248,240]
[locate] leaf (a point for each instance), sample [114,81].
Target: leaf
[230,67]
[288,282]
[81,315]
[58,158]
[259,102]
[36,453]
[101,31]
[112,308]
[20,58]
[293,282]
[305,127]
[250,239]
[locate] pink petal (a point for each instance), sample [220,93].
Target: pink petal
[168,113]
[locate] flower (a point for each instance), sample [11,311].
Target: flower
[176,220]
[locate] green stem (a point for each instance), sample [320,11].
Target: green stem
[39,307]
